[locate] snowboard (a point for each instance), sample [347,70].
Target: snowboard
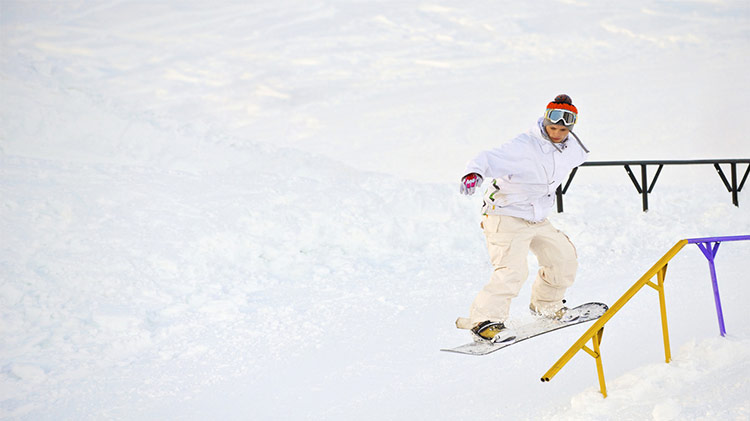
[539,326]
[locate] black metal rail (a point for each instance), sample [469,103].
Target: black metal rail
[645,187]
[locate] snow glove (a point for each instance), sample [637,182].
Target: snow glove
[470,182]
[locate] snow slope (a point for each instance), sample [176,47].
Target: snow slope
[251,211]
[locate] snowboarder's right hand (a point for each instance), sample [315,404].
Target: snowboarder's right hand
[470,182]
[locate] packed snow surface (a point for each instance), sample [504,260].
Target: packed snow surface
[250,210]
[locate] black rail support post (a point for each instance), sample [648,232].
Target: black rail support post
[735,195]
[559,196]
[644,189]
[560,191]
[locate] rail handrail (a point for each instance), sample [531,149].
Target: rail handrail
[644,187]
[596,331]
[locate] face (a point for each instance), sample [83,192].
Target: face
[557,132]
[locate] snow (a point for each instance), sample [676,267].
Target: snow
[251,211]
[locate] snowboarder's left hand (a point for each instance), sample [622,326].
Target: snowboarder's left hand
[470,182]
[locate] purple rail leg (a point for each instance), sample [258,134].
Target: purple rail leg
[710,246]
[710,254]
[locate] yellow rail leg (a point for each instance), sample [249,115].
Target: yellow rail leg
[663,306]
[596,353]
[597,339]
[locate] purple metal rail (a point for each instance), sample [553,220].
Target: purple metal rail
[710,246]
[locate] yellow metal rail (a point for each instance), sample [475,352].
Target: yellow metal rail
[596,331]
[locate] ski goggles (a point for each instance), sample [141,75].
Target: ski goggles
[555,115]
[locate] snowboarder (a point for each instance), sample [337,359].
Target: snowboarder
[524,174]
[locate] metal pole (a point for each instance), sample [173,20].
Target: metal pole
[735,196]
[644,187]
[710,253]
[599,367]
[663,307]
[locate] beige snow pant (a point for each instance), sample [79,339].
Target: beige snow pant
[509,240]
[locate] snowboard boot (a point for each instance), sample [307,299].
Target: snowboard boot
[492,332]
[556,315]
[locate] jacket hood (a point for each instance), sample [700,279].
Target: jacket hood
[538,133]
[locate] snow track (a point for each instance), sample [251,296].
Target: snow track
[251,211]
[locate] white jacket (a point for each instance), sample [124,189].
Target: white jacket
[522,175]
